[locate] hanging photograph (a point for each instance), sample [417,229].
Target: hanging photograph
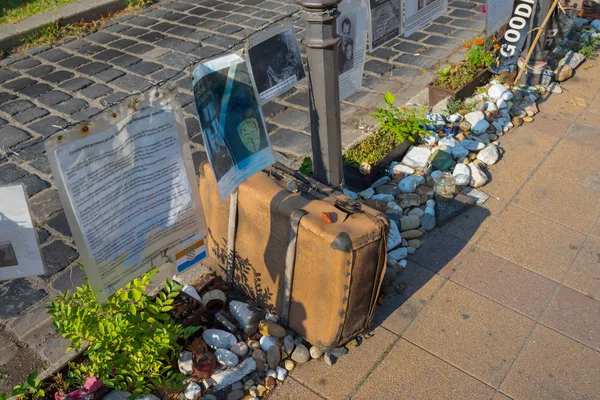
[233,128]
[275,61]
[418,14]
[352,28]
[127,183]
[19,249]
[385,21]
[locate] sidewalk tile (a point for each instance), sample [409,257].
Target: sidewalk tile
[471,332]
[561,200]
[584,276]
[506,179]
[526,145]
[577,157]
[292,390]
[547,124]
[563,106]
[552,366]
[409,372]
[471,224]
[507,283]
[440,253]
[418,285]
[533,242]
[576,316]
[337,382]
[500,396]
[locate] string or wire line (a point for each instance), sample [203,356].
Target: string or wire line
[6,153]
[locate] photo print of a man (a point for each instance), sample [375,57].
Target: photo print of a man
[276,62]
[346,45]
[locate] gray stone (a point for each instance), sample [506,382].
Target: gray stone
[288,344]
[315,352]
[409,222]
[428,221]
[117,395]
[225,378]
[192,390]
[218,339]
[417,157]
[268,341]
[398,254]
[246,316]
[301,354]
[281,373]
[489,155]
[185,363]
[226,358]
[273,356]
[478,177]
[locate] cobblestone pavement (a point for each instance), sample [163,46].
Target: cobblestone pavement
[503,302]
[46,88]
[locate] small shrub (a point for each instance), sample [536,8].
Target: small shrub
[131,339]
[30,389]
[307,166]
[479,57]
[396,125]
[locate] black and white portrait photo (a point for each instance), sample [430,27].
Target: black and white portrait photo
[276,64]
[347,30]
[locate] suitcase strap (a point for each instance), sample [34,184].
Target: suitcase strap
[231,232]
[290,262]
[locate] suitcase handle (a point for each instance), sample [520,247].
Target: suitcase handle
[348,207]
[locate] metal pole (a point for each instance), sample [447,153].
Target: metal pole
[321,41]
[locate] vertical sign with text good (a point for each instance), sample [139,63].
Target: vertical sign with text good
[274,59]
[126,180]
[498,13]
[418,14]
[385,21]
[352,26]
[19,249]
[233,128]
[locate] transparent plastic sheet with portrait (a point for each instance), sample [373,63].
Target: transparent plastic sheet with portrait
[233,128]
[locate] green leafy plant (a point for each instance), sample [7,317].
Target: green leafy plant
[588,46]
[396,125]
[459,106]
[307,166]
[480,55]
[131,339]
[30,389]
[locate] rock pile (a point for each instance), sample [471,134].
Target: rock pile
[243,352]
[462,144]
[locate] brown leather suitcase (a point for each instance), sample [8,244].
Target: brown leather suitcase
[321,279]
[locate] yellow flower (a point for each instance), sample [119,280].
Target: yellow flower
[496,47]
[468,45]
[478,41]
[404,108]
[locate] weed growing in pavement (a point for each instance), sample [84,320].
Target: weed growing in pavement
[459,107]
[48,34]
[131,339]
[16,10]
[396,125]
[28,390]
